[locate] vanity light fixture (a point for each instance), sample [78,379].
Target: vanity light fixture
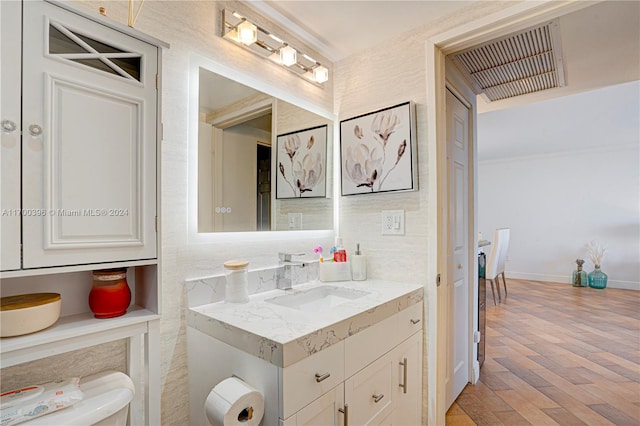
[239,29]
[247,32]
[288,56]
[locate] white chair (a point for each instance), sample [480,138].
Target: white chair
[496,261]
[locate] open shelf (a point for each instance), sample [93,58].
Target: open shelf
[73,332]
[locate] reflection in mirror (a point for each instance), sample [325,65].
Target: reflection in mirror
[237,161]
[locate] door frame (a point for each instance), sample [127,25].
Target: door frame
[517,17]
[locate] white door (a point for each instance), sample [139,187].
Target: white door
[89,144]
[10,154]
[457,286]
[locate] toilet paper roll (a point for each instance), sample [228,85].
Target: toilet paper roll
[234,402]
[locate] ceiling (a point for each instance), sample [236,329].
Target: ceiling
[338,29]
[600,48]
[597,119]
[600,43]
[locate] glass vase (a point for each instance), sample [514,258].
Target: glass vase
[597,278]
[579,278]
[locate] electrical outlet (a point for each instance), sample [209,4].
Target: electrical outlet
[393,222]
[295,221]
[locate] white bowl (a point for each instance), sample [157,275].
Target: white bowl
[28,313]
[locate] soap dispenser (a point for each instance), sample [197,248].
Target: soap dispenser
[358,265]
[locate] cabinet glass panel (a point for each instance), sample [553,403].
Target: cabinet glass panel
[93,53]
[61,44]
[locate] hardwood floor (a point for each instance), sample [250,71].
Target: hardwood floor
[557,354]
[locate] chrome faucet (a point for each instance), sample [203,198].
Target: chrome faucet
[284,280]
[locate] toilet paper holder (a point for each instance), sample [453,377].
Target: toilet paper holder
[233,401]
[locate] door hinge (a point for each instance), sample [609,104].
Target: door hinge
[156,224]
[438,280]
[156,81]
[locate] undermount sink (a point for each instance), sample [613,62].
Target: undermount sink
[318,298]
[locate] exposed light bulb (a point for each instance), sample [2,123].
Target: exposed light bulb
[247,32]
[320,74]
[288,55]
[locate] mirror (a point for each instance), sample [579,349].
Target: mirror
[263,164]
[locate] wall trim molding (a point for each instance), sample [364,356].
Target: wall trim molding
[566,279]
[559,154]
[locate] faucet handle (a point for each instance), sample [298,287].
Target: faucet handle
[286,257]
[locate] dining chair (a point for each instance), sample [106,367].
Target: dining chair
[496,261]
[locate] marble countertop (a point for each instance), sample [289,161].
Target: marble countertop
[283,336]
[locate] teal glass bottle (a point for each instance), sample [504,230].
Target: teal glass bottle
[597,278]
[579,276]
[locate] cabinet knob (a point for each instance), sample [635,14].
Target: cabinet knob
[35,130]
[322,376]
[377,398]
[8,126]
[459,265]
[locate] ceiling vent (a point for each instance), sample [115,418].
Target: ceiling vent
[520,63]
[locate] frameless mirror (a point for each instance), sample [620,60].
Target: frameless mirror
[263,164]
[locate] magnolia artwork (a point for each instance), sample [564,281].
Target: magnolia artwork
[378,151]
[302,163]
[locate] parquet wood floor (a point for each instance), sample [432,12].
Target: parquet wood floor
[557,355]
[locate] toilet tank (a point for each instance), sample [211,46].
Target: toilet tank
[106,398]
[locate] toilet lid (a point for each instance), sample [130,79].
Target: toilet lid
[104,393]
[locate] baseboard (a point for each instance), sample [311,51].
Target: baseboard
[566,279]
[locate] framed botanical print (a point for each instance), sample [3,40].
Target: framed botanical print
[302,163]
[378,151]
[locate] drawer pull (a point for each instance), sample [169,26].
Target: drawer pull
[345,411]
[321,377]
[403,385]
[415,321]
[377,398]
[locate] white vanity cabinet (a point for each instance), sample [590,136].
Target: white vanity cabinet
[382,377]
[81,150]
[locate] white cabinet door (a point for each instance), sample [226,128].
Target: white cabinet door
[10,131]
[89,141]
[324,411]
[407,382]
[370,394]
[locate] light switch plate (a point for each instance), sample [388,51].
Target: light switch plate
[295,221]
[393,222]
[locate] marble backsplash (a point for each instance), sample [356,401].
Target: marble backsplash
[205,290]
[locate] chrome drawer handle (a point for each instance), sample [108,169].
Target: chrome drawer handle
[377,398]
[415,321]
[321,377]
[403,385]
[345,411]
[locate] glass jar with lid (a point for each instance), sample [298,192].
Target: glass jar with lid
[237,281]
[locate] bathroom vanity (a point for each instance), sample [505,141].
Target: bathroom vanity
[322,353]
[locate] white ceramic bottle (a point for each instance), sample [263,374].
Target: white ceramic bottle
[358,265]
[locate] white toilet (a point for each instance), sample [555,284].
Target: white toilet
[106,402]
